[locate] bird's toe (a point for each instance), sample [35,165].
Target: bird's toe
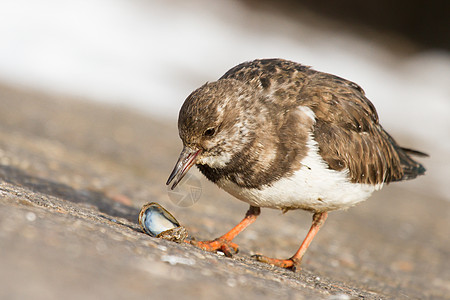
[227,247]
[291,263]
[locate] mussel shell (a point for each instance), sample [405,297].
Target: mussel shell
[155,219]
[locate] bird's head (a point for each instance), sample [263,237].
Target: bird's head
[213,124]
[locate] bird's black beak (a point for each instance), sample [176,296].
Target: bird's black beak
[186,160]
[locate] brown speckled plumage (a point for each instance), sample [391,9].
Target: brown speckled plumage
[346,128]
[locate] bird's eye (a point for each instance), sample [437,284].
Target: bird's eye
[209,132]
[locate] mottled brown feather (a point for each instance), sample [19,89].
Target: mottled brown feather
[347,129]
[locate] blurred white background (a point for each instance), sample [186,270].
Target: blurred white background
[149,55]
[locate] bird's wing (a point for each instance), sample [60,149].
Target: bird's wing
[346,129]
[349,135]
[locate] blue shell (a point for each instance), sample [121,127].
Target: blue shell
[155,219]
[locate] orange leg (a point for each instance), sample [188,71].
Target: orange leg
[294,262]
[224,243]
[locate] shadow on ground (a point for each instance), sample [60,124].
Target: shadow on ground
[99,200]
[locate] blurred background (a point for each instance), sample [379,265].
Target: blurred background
[149,55]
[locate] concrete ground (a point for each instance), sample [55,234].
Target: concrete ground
[73,176]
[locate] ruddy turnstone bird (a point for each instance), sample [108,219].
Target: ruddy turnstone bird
[278,134]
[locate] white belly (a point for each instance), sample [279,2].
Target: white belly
[313,187]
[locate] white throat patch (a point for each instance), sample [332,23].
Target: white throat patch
[216,161]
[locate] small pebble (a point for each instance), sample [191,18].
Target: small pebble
[161,247]
[231,282]
[173,260]
[30,216]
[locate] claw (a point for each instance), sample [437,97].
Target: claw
[291,263]
[227,247]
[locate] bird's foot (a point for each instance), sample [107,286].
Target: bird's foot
[227,247]
[291,263]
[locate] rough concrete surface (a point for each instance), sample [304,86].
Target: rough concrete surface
[73,176]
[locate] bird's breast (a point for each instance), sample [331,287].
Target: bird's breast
[313,187]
